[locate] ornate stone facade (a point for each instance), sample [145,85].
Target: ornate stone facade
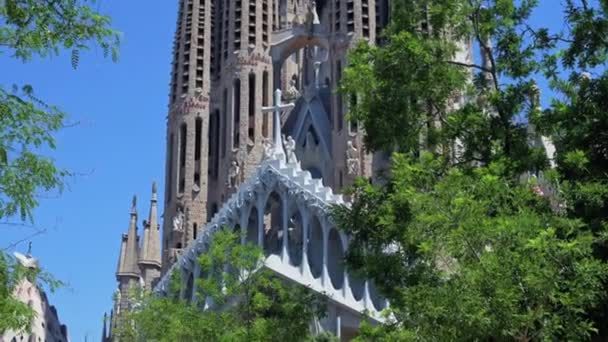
[226,161]
[229,57]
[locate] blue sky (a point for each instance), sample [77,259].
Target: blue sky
[117,149]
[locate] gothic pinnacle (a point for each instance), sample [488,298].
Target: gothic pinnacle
[134,205]
[154,190]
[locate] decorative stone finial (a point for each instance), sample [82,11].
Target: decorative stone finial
[154,190]
[134,205]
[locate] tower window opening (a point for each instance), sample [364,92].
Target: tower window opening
[236,113]
[252,22]
[337,16]
[223,117]
[252,106]
[350,14]
[215,137]
[182,156]
[170,171]
[353,126]
[339,107]
[265,103]
[194,231]
[198,138]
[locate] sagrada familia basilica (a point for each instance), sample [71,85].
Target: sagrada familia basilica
[257,140]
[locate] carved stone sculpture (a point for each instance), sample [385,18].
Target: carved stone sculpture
[352,159]
[233,175]
[292,92]
[290,150]
[312,16]
[178,220]
[268,147]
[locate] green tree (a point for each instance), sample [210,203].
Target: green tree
[30,28]
[462,238]
[577,122]
[247,302]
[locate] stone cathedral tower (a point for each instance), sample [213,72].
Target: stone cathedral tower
[223,74]
[228,58]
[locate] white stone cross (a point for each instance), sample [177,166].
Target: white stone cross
[276,109]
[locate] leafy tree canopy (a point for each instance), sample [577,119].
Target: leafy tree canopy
[28,29]
[472,236]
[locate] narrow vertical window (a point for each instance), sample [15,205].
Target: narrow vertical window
[265,103]
[182,156]
[216,145]
[170,171]
[265,26]
[252,109]
[194,231]
[365,17]
[238,23]
[350,16]
[236,113]
[352,124]
[211,139]
[211,143]
[198,138]
[224,130]
[339,107]
[252,23]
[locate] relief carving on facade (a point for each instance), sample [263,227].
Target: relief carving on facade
[353,165]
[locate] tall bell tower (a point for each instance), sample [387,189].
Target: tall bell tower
[186,182]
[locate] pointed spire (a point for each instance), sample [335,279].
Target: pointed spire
[149,259]
[134,205]
[128,265]
[104,335]
[154,190]
[121,255]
